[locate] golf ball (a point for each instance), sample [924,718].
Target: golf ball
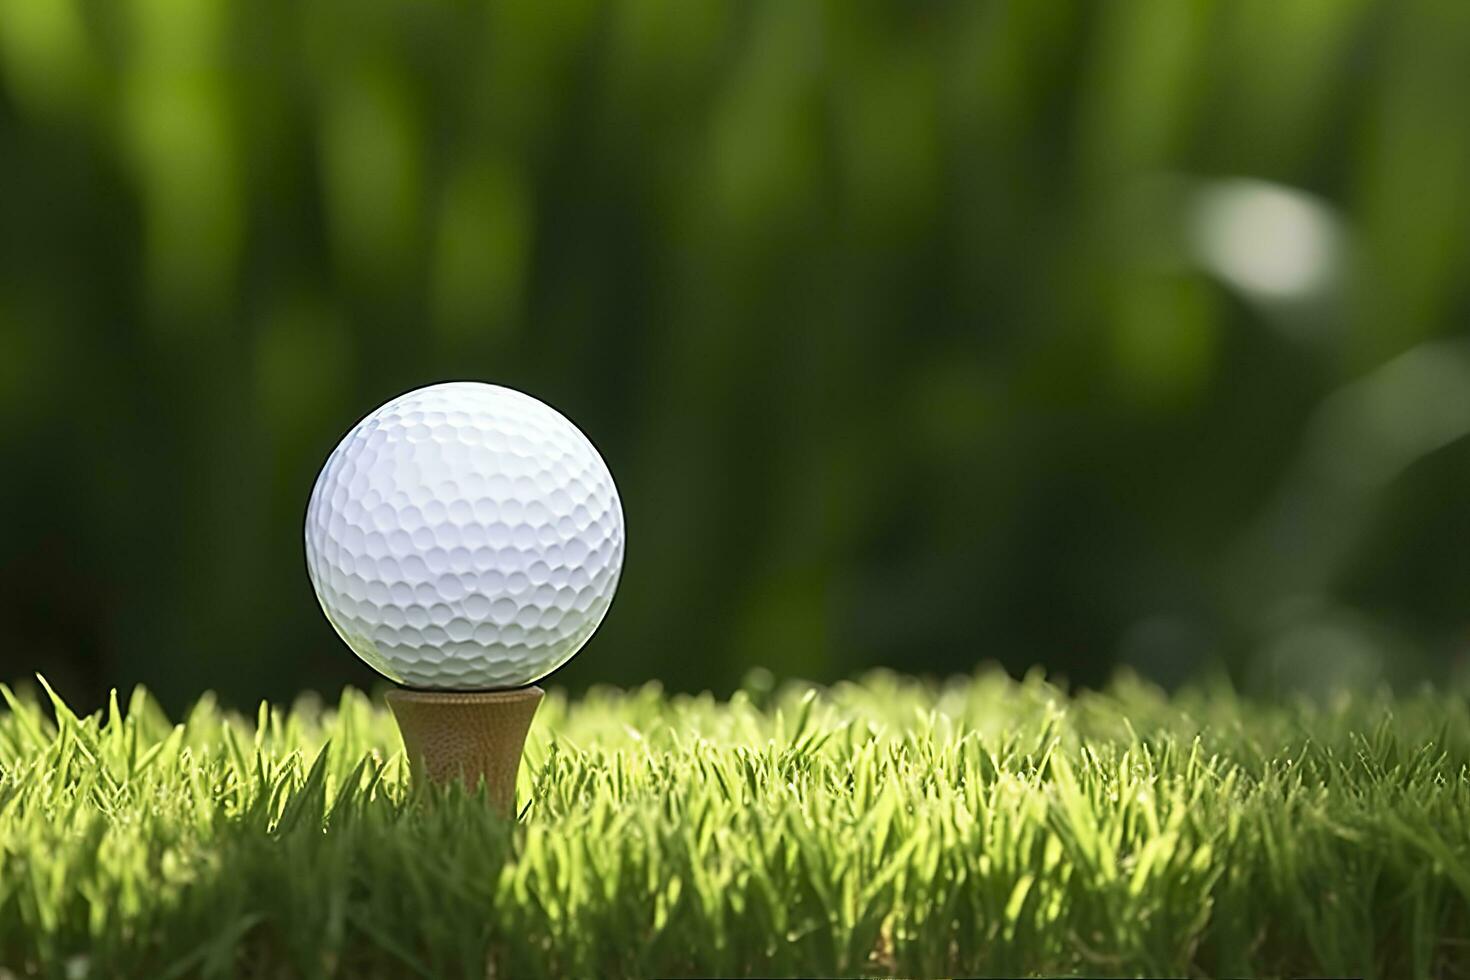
[464,536]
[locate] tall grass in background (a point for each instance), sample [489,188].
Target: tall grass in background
[1095,333]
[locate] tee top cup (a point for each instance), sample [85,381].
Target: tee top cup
[465,540]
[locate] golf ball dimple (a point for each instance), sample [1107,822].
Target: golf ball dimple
[464,536]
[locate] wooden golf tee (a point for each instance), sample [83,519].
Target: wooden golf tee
[470,735]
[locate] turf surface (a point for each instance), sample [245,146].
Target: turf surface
[984,826]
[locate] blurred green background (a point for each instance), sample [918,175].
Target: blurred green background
[916,334]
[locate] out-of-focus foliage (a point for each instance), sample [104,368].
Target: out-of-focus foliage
[915,333]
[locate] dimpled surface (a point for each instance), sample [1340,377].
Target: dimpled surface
[464,536]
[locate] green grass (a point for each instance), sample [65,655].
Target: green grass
[985,826]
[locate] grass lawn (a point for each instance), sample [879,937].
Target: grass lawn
[984,826]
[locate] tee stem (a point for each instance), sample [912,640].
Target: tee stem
[473,736]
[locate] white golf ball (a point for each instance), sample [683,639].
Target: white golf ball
[464,536]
